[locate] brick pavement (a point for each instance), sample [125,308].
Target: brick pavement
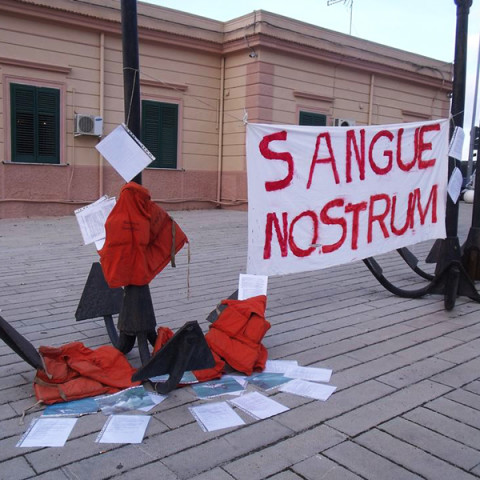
[407,371]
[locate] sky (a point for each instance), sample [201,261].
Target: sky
[425,27]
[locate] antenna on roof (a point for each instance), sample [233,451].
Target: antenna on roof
[345,2]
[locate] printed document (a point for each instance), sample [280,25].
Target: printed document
[215,416]
[279,366]
[258,406]
[251,285]
[48,432]
[318,391]
[310,373]
[125,153]
[91,219]
[124,429]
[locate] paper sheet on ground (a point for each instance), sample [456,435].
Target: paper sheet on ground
[123,429]
[310,373]
[303,388]
[215,416]
[279,366]
[47,432]
[251,285]
[258,406]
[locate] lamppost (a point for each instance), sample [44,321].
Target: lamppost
[450,279]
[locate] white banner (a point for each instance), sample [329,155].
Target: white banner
[323,196]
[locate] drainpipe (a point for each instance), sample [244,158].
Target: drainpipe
[220,133]
[370,102]
[102,108]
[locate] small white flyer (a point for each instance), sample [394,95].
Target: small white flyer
[455,184]
[310,373]
[215,416]
[125,153]
[456,143]
[259,406]
[251,285]
[124,429]
[318,391]
[91,219]
[47,432]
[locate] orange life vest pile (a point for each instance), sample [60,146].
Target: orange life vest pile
[74,371]
[234,338]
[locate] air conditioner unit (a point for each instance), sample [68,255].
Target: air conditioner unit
[343,122]
[88,125]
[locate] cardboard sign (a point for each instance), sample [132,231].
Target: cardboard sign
[324,196]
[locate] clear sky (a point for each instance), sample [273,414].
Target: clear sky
[426,27]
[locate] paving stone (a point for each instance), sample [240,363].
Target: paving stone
[219,450]
[473,387]
[215,474]
[410,457]
[286,475]
[60,474]
[155,470]
[414,373]
[369,370]
[462,353]
[284,454]
[462,413]
[16,469]
[314,413]
[366,463]
[445,426]
[320,467]
[442,447]
[465,397]
[460,375]
[378,411]
[107,463]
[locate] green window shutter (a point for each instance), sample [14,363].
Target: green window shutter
[160,132]
[23,123]
[48,109]
[35,124]
[312,119]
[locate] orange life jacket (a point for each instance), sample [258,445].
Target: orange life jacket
[236,336]
[74,371]
[141,238]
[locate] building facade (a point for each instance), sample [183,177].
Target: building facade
[61,74]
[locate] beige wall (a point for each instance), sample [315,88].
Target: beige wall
[183,59]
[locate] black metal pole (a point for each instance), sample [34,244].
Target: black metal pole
[131,70]
[451,276]
[458,100]
[136,317]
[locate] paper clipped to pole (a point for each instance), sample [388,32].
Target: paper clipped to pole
[455,147]
[125,153]
[91,219]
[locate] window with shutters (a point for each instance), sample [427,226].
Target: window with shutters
[35,114]
[160,132]
[312,119]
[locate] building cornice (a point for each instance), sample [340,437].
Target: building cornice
[35,65]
